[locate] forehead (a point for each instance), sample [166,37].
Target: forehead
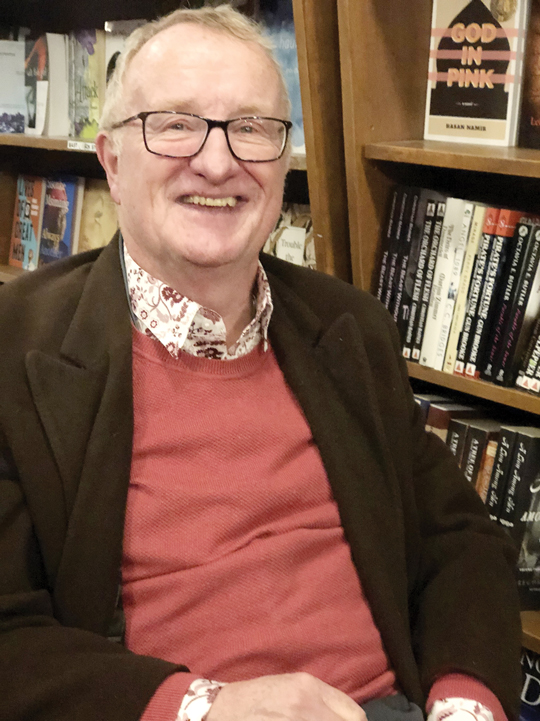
[200,70]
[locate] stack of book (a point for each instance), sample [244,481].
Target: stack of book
[58,216]
[502,462]
[462,281]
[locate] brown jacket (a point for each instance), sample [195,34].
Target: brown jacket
[437,573]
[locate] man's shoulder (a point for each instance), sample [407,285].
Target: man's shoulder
[325,295]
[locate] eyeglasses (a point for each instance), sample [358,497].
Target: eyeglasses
[183,135]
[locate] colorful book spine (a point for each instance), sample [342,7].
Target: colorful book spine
[27,220]
[63,195]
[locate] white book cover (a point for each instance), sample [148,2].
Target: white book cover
[453,287]
[475,233]
[57,121]
[12,93]
[475,70]
[450,236]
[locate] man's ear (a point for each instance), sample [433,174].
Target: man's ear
[108,157]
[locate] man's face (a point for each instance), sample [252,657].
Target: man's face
[196,70]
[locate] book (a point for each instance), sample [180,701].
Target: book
[480,434]
[99,219]
[87,76]
[526,375]
[522,314]
[441,413]
[522,237]
[57,116]
[530,691]
[116,33]
[36,73]
[501,470]
[529,122]
[456,437]
[427,282]
[475,69]
[399,304]
[451,249]
[12,88]
[481,331]
[395,242]
[469,258]
[27,219]
[386,239]
[61,214]
[475,288]
[425,399]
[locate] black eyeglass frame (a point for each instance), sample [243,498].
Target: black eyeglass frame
[210,124]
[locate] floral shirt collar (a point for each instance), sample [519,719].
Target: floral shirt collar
[181,324]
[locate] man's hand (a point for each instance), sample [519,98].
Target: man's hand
[287,697]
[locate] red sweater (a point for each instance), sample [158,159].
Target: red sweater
[235,562]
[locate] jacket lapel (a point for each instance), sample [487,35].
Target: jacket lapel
[84,400]
[330,375]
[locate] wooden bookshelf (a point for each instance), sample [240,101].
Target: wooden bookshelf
[478,388]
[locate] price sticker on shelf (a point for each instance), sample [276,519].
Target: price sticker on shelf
[81,145]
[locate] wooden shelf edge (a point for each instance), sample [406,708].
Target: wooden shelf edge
[478,388]
[460,156]
[8,272]
[530,626]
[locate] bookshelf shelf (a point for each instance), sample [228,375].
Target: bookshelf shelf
[522,162]
[298,160]
[481,389]
[530,625]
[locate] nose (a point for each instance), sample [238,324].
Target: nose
[215,161]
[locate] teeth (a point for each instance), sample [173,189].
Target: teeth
[214,202]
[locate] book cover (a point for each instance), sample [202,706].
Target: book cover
[529,122]
[36,73]
[62,193]
[522,315]
[12,91]
[481,331]
[116,33]
[427,282]
[57,116]
[451,248]
[87,76]
[99,219]
[27,220]
[530,690]
[475,289]
[475,69]
[518,249]
[501,470]
[471,251]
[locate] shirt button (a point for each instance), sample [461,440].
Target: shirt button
[207,324]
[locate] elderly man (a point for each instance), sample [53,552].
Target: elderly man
[216,495]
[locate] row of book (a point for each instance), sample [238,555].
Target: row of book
[58,216]
[483,73]
[462,280]
[54,84]
[502,462]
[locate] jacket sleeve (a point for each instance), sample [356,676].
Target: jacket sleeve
[49,671]
[463,603]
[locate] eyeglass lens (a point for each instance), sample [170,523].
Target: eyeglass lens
[180,136]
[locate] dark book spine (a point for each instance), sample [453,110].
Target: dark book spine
[499,475]
[530,359]
[506,296]
[395,248]
[534,383]
[475,290]
[425,241]
[473,452]
[400,305]
[387,238]
[428,279]
[505,368]
[455,438]
[517,499]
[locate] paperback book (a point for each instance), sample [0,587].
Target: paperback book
[27,220]
[61,217]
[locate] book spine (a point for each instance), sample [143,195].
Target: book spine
[490,225]
[530,359]
[522,235]
[517,312]
[486,468]
[386,240]
[455,439]
[534,383]
[469,260]
[472,454]
[499,475]
[428,279]
[517,497]
[403,259]
[497,258]
[425,241]
[395,249]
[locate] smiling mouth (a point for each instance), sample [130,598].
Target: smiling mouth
[228,202]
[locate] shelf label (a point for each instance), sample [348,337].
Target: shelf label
[81,145]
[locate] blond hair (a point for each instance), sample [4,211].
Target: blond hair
[222,18]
